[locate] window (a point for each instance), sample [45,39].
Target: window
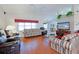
[27,25]
[22,26]
[34,25]
[45,26]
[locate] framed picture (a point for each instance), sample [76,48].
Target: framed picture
[63,25]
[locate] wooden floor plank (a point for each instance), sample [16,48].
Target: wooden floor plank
[36,45]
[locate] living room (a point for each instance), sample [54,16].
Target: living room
[35,26]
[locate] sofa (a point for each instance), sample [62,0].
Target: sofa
[32,32]
[68,44]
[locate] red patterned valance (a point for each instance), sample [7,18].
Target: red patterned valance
[23,20]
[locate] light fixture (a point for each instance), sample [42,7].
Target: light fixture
[10,27]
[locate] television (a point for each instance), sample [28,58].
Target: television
[63,25]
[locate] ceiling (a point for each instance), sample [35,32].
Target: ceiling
[35,11]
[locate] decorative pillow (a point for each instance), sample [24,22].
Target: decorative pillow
[77,34]
[3,39]
[59,37]
[2,32]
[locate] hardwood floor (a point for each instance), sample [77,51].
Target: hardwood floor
[36,45]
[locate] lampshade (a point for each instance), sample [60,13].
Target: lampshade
[10,27]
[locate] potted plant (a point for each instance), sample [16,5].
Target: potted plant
[59,16]
[70,13]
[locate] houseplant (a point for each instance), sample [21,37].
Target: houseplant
[70,13]
[59,16]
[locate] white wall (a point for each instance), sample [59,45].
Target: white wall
[10,20]
[76,17]
[2,19]
[40,24]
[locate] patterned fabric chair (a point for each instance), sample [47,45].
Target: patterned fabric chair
[68,44]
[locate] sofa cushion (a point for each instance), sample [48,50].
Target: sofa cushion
[77,33]
[66,45]
[68,37]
